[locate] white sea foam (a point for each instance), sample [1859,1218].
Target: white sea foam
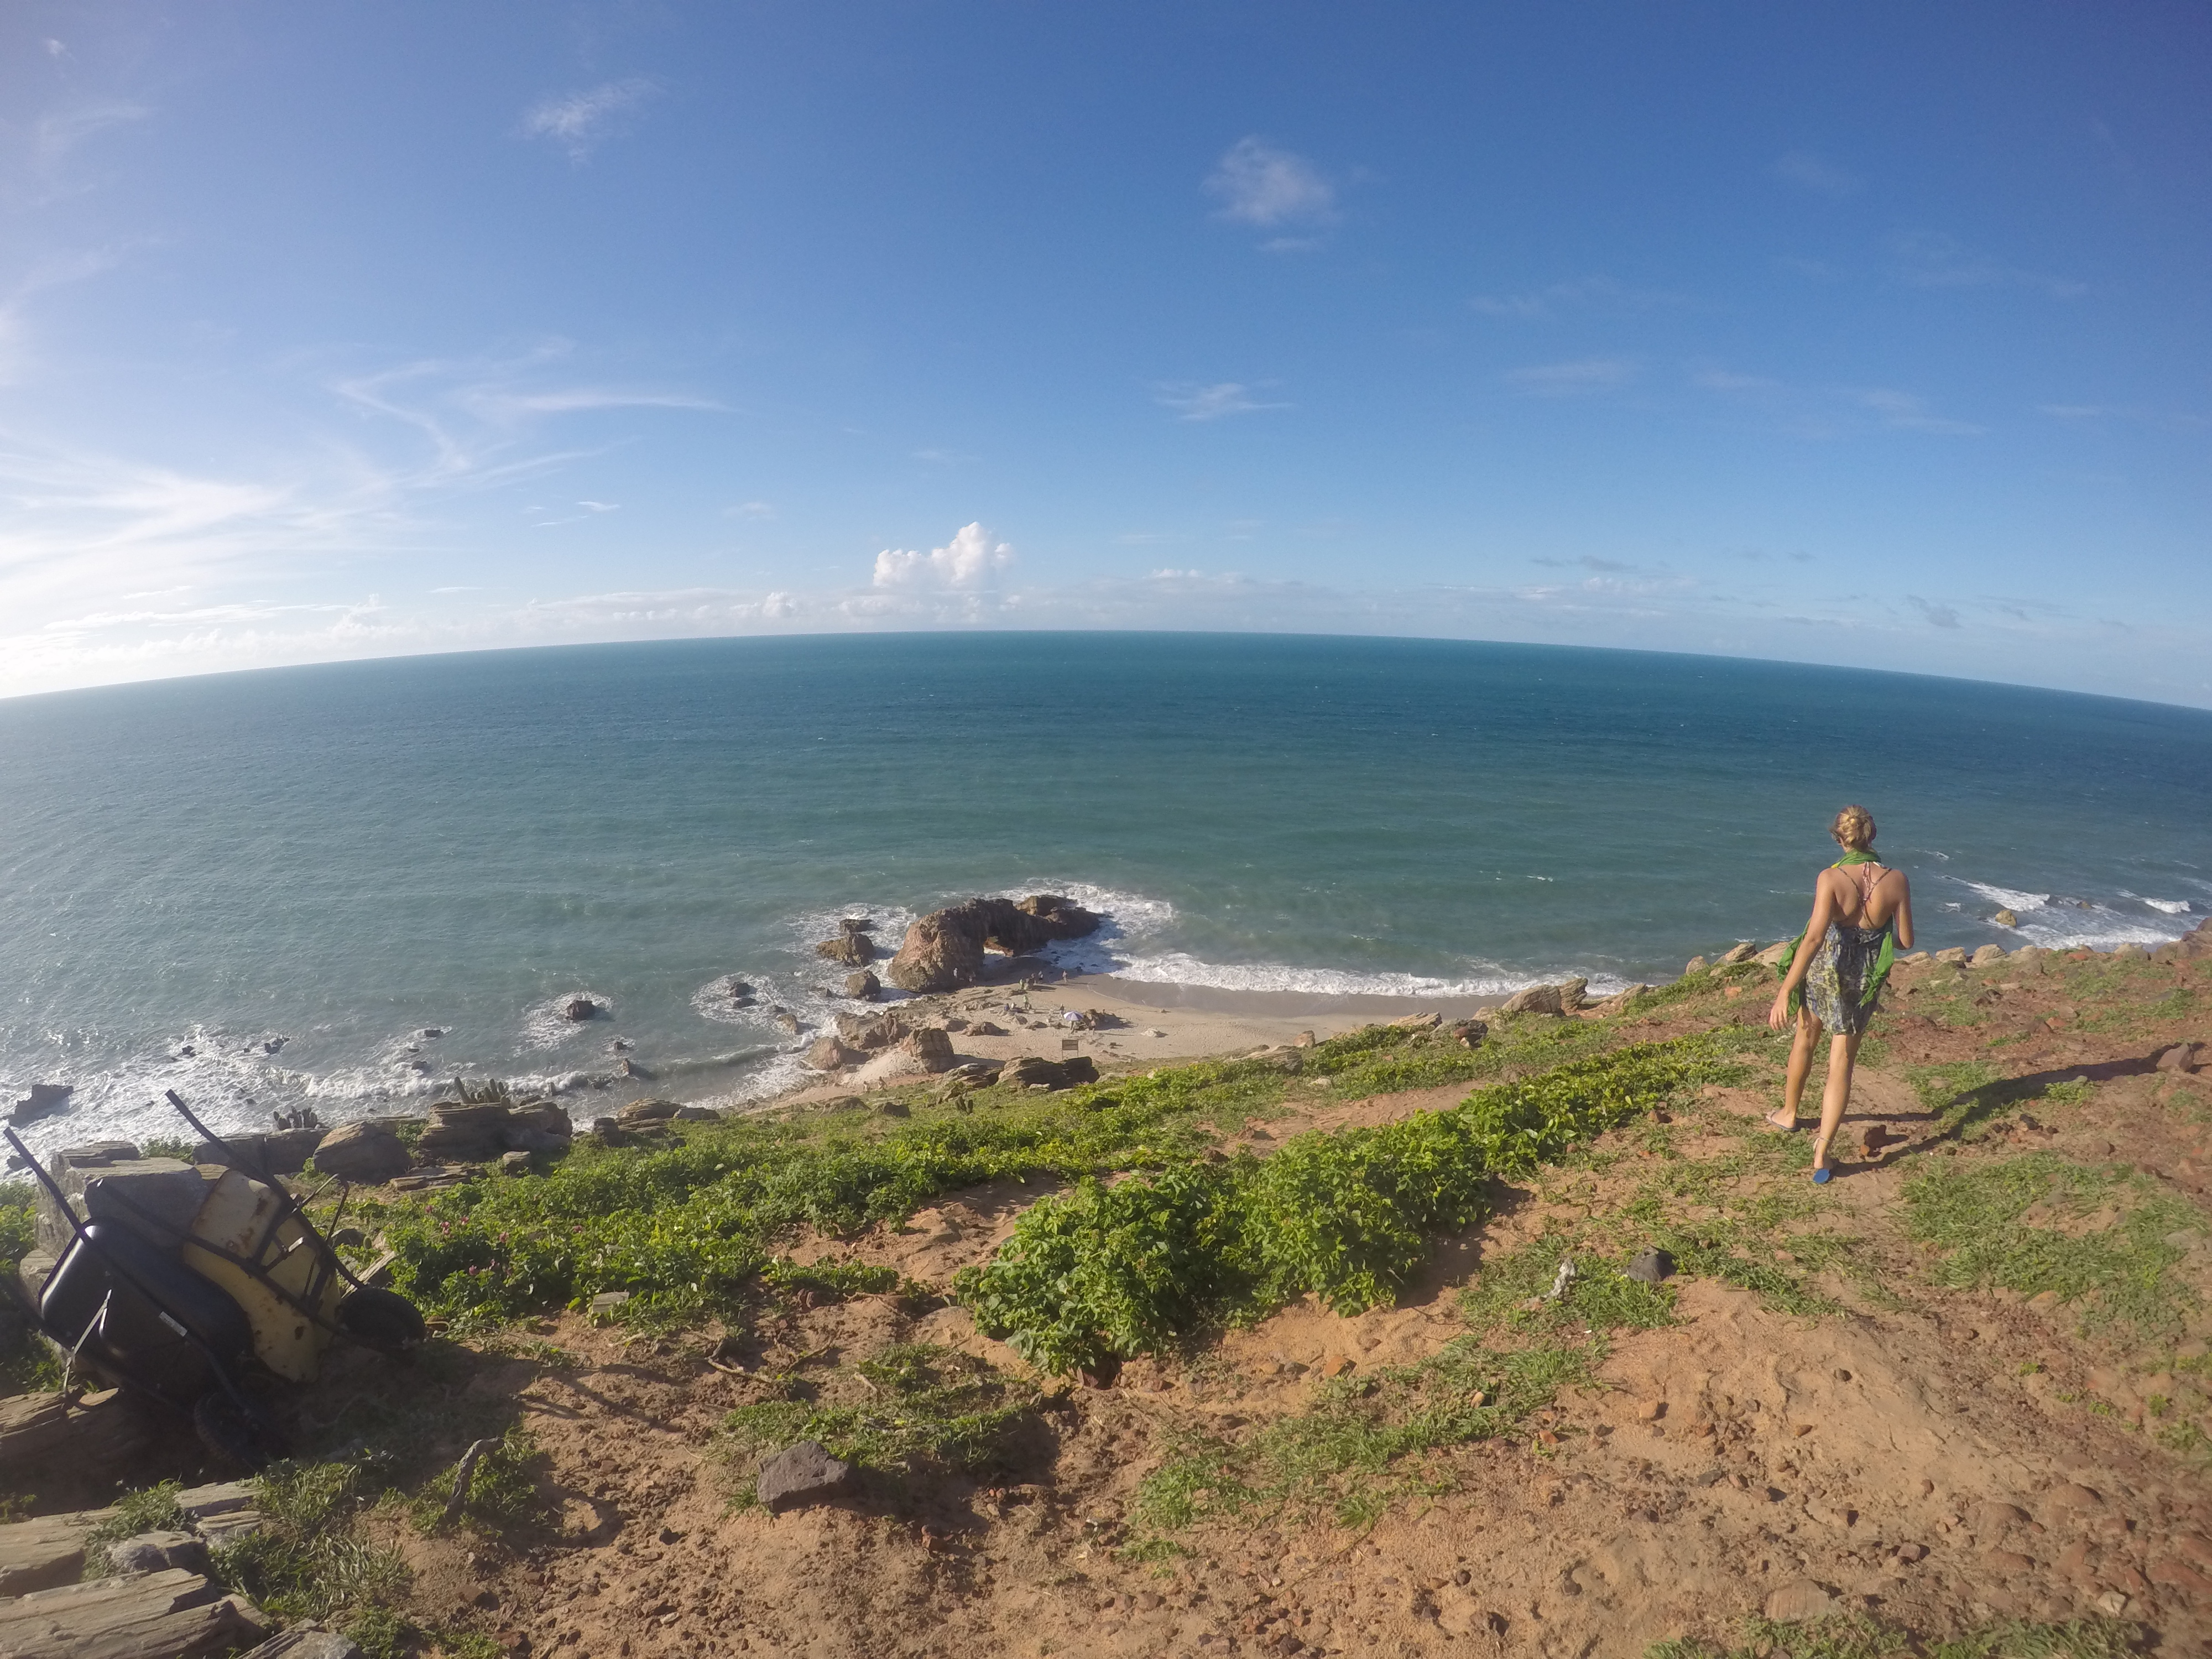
[2008,897]
[1179,968]
[2170,907]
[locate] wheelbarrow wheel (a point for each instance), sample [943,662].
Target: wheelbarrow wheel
[236,1434]
[383,1320]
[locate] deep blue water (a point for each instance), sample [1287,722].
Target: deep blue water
[344,856]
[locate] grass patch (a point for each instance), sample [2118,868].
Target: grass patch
[309,1560]
[1342,1457]
[28,1365]
[151,1508]
[922,1409]
[1599,1295]
[1106,1272]
[502,1495]
[1857,1636]
[2096,1236]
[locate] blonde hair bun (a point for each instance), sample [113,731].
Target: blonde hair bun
[1854,827]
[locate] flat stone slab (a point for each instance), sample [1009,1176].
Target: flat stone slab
[39,1554]
[173,1614]
[303,1642]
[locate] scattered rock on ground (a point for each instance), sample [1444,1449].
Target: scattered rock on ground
[307,1642]
[1649,1266]
[153,1552]
[2182,1057]
[366,1153]
[1736,953]
[1695,965]
[1029,1070]
[800,1474]
[1956,956]
[1799,1599]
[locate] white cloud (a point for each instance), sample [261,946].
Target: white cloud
[1192,402]
[1587,375]
[750,510]
[969,560]
[580,121]
[1809,172]
[1258,184]
[1910,414]
[1597,292]
[1931,259]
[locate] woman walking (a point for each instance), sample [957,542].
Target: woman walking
[1837,966]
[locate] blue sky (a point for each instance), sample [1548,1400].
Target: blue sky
[1873,334]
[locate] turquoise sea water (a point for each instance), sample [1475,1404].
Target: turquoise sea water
[341,858]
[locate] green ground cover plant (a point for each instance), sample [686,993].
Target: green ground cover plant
[2026,1223]
[1103,1273]
[925,1409]
[688,1227]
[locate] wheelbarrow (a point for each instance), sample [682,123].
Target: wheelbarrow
[133,1316]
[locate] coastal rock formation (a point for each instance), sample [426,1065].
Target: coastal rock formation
[933,1047]
[2005,919]
[863,986]
[1736,953]
[830,1053]
[580,1008]
[945,950]
[366,1153]
[869,1031]
[44,1099]
[1562,999]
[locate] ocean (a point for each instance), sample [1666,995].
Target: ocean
[266,889]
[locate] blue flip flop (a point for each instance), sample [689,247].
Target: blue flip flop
[1820,1176]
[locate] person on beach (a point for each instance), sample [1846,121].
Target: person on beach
[1834,970]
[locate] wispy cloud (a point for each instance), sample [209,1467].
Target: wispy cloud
[1936,616]
[1932,259]
[1593,292]
[1192,402]
[1809,172]
[1904,411]
[1578,379]
[579,122]
[1273,189]
[969,560]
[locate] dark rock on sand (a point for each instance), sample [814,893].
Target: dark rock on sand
[945,950]
[803,1474]
[1649,1266]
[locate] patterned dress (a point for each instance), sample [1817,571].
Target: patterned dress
[1835,983]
